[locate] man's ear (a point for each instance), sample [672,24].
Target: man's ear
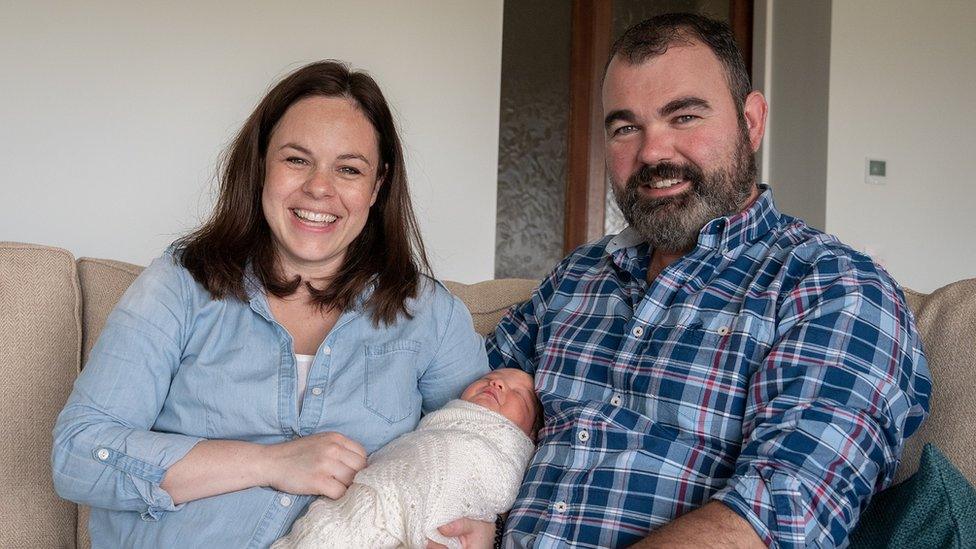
[754,111]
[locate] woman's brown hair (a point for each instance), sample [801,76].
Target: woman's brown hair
[388,253]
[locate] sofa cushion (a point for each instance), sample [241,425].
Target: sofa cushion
[40,342]
[488,301]
[935,508]
[946,319]
[103,282]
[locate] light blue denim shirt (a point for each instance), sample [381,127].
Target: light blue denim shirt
[173,367]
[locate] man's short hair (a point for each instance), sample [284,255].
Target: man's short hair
[653,37]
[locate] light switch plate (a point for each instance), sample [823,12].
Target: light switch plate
[875,171]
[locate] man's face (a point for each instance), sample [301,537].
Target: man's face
[678,153]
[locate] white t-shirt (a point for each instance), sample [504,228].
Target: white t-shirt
[304,364]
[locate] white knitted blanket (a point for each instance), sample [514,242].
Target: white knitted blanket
[462,461]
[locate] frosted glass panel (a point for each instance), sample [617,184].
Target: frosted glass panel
[532,137]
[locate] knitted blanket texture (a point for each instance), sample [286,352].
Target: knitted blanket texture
[462,461]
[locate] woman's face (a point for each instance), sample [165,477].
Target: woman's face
[320,179]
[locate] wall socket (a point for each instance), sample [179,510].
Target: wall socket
[875,171]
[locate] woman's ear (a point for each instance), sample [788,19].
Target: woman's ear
[380,181]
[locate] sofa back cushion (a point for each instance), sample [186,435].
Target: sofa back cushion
[104,281]
[488,301]
[946,319]
[40,342]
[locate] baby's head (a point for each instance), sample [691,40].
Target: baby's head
[511,393]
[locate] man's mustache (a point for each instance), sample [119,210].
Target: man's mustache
[647,173]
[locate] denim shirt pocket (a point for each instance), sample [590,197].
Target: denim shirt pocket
[391,379]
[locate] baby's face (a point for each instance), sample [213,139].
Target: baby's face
[509,392]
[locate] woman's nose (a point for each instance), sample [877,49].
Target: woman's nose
[319,185]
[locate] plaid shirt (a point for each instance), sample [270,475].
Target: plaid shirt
[772,368]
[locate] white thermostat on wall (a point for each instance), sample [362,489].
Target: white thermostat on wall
[875,171]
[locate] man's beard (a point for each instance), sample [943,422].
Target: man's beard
[673,223]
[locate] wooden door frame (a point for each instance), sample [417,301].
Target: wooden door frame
[585,162]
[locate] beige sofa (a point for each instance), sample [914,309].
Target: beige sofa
[52,308]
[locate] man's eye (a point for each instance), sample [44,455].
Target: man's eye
[624,130]
[685,118]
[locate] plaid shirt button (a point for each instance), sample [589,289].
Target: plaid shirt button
[583,436]
[560,507]
[616,400]
[638,331]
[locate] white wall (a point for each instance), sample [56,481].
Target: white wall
[900,88]
[902,85]
[112,114]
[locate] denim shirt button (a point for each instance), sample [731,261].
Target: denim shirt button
[285,501]
[102,454]
[326,350]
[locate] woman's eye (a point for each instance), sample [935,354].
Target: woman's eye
[350,170]
[298,161]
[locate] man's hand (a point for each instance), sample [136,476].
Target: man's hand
[713,526]
[473,534]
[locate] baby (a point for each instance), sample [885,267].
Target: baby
[464,460]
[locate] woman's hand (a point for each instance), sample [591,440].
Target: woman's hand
[322,464]
[473,534]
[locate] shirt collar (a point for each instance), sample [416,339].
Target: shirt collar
[723,233]
[744,227]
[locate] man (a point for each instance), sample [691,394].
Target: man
[719,374]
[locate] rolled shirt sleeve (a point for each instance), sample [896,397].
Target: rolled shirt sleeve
[828,410]
[105,452]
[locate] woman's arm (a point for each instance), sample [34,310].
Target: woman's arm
[105,453]
[320,464]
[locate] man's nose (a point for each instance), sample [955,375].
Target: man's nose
[657,146]
[319,185]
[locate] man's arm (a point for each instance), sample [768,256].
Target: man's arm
[513,342]
[713,526]
[828,410]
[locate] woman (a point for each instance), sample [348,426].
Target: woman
[261,358]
